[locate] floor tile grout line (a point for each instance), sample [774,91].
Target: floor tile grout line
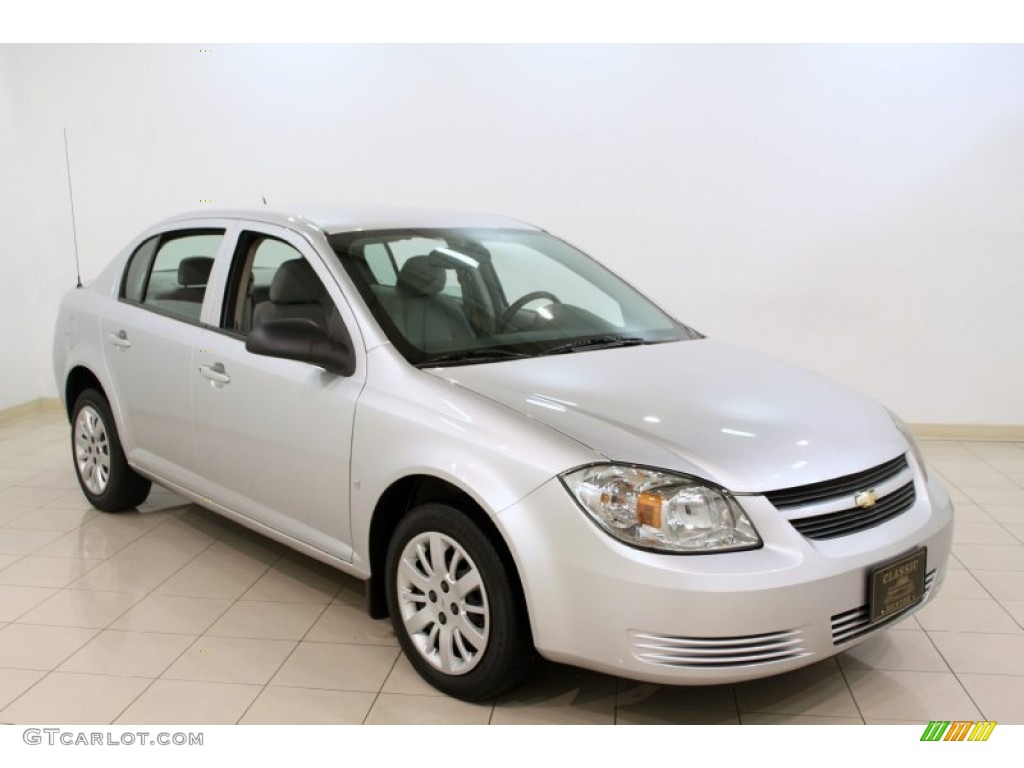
[615,706]
[18,560]
[953,672]
[100,631]
[967,692]
[287,656]
[376,696]
[736,703]
[53,669]
[949,667]
[1015,487]
[973,632]
[36,605]
[1018,622]
[58,588]
[20,483]
[991,465]
[971,500]
[146,594]
[32,553]
[41,546]
[176,658]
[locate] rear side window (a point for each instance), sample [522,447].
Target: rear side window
[169,273]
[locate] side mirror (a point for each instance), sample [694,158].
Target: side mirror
[302,340]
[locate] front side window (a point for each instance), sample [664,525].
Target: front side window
[461,296]
[271,280]
[169,273]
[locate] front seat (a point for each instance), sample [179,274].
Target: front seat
[296,292]
[421,313]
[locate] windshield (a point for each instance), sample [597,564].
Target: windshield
[456,296]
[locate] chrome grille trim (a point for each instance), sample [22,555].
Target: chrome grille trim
[854,520]
[816,493]
[717,652]
[854,623]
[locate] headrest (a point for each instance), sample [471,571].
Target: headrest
[421,276]
[194,271]
[295,282]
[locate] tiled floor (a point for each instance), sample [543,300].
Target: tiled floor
[173,615]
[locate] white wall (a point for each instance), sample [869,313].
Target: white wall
[19,322]
[857,210]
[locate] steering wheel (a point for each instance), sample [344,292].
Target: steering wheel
[506,317]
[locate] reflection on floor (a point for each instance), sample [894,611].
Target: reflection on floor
[173,615]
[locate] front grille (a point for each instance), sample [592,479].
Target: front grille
[717,652]
[851,624]
[853,520]
[829,508]
[815,493]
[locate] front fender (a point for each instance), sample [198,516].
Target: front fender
[419,424]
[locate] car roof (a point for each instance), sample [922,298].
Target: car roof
[352,218]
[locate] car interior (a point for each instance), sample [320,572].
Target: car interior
[424,315]
[295,292]
[180,291]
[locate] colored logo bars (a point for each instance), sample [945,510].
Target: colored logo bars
[958,730]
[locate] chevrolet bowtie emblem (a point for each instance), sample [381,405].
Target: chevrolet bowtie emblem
[865,499]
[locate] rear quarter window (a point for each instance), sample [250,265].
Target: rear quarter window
[134,287]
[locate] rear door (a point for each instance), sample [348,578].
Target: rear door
[148,340]
[272,436]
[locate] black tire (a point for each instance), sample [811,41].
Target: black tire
[493,609]
[123,488]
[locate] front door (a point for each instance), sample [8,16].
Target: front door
[272,437]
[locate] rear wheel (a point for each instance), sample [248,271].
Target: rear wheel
[103,473]
[452,606]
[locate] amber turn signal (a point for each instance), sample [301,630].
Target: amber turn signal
[648,509]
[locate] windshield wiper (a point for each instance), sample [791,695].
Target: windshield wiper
[478,355]
[597,342]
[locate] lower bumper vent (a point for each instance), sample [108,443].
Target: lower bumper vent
[851,624]
[717,652]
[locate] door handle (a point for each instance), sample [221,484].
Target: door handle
[215,373]
[119,339]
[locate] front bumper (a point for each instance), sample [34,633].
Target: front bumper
[707,619]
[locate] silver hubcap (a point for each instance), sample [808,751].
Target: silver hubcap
[443,603]
[92,450]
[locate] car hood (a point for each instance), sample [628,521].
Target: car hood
[738,418]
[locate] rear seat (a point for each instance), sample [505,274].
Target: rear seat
[186,298]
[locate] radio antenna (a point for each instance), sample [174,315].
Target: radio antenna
[71,197]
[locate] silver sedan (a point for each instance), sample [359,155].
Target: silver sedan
[517,451]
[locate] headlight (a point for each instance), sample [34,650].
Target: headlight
[662,511]
[911,442]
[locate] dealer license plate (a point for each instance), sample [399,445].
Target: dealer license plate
[897,585]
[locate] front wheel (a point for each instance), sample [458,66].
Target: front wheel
[103,473]
[452,606]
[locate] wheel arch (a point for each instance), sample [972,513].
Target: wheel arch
[79,379]
[400,499]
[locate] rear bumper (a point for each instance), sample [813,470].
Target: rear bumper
[707,619]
